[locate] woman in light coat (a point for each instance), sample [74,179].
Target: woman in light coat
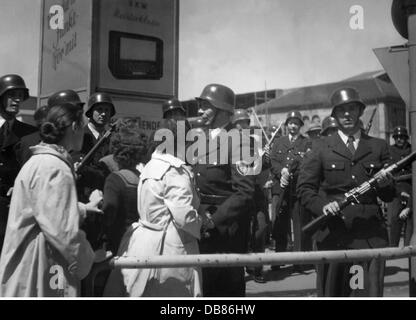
[45,254]
[169,225]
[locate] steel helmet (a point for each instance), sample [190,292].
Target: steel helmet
[13,81]
[221,97]
[344,96]
[294,115]
[172,104]
[314,127]
[64,96]
[400,131]
[100,97]
[327,123]
[240,114]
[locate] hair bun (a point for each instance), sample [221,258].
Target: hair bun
[50,133]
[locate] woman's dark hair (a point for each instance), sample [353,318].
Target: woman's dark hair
[128,147]
[60,117]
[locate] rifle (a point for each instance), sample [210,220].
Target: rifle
[284,190]
[89,155]
[269,143]
[353,195]
[370,122]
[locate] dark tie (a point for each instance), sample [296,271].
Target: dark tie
[350,144]
[4,133]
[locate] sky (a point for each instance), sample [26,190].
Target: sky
[248,45]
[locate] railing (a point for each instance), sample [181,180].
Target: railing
[254,259]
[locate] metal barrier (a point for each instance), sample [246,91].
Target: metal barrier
[252,259]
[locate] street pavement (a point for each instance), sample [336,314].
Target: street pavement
[287,282]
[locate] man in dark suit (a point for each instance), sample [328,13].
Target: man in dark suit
[12,92]
[226,191]
[286,156]
[398,214]
[335,165]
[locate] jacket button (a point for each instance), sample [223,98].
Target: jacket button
[353,177]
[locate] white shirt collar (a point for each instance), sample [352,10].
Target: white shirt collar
[95,133]
[293,138]
[344,137]
[3,121]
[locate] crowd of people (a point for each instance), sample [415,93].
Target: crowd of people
[74,192]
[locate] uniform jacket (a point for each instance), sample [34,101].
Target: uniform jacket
[285,153]
[330,170]
[169,225]
[9,165]
[23,148]
[93,175]
[44,254]
[226,192]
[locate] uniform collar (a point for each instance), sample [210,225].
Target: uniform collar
[293,138]
[3,121]
[344,137]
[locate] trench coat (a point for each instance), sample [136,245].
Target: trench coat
[169,225]
[45,254]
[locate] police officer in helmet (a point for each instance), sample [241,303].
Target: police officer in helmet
[337,164]
[286,156]
[226,192]
[13,92]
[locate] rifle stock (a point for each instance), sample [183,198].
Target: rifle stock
[353,195]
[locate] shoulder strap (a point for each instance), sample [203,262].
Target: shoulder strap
[128,177]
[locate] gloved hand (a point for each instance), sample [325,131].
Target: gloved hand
[284,179]
[384,178]
[404,214]
[331,208]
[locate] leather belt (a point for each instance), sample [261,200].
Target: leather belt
[212,199]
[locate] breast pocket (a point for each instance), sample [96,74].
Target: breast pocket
[334,172]
[371,167]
